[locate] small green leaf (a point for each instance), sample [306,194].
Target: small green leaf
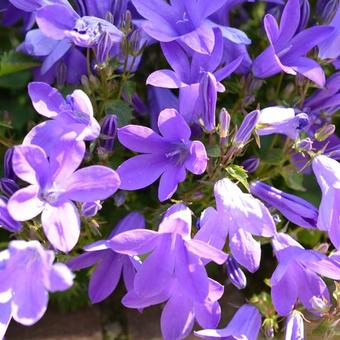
[13,62]
[239,174]
[121,109]
[214,151]
[293,179]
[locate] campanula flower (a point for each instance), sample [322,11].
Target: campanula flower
[240,215]
[168,156]
[245,324]
[109,264]
[71,115]
[27,274]
[54,184]
[287,49]
[305,284]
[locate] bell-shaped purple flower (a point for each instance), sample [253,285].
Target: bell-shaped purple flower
[58,22]
[245,324]
[294,326]
[287,49]
[240,216]
[294,208]
[305,285]
[281,120]
[235,273]
[54,184]
[109,264]
[71,117]
[168,156]
[327,172]
[27,274]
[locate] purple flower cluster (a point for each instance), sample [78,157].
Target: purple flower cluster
[57,181]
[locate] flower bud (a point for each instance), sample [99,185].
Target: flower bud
[61,76]
[251,164]
[294,208]
[224,119]
[248,125]
[8,186]
[305,14]
[119,198]
[90,209]
[319,305]
[235,273]
[269,328]
[119,8]
[324,132]
[6,221]
[294,326]
[108,132]
[305,144]
[104,47]
[208,100]
[8,168]
[326,10]
[136,43]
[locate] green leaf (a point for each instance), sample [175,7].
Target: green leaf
[214,151]
[293,179]
[13,62]
[239,174]
[121,109]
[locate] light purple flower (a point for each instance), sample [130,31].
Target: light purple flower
[179,278]
[71,115]
[327,172]
[294,208]
[168,156]
[181,256]
[27,274]
[185,21]
[58,22]
[287,51]
[109,264]
[188,69]
[297,275]
[294,326]
[240,215]
[281,120]
[245,324]
[54,184]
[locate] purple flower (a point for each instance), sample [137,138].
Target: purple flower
[180,277]
[168,156]
[54,184]
[245,324]
[294,326]
[281,120]
[188,69]
[27,274]
[181,256]
[72,116]
[240,215]
[294,208]
[6,221]
[184,21]
[58,22]
[109,264]
[327,172]
[286,51]
[329,48]
[305,284]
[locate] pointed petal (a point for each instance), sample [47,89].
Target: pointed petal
[204,250]
[290,20]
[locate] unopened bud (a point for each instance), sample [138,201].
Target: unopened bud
[235,273]
[90,209]
[224,120]
[8,168]
[324,132]
[247,127]
[319,305]
[108,132]
[119,198]
[326,10]
[305,144]
[8,187]
[104,47]
[251,164]
[294,326]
